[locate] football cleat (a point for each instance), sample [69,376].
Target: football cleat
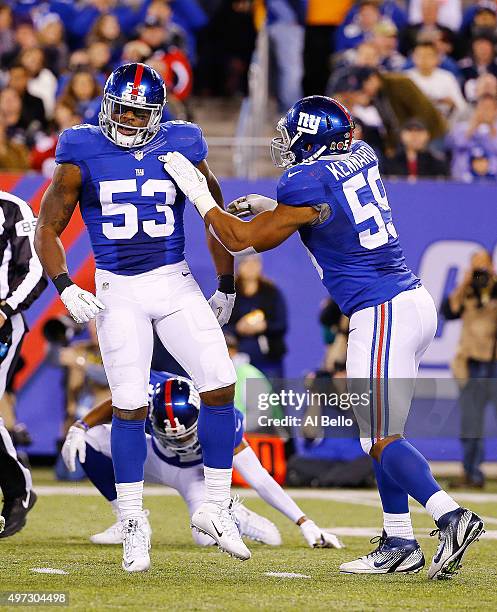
[456,531]
[318,538]
[2,523]
[219,521]
[136,544]
[392,555]
[256,527]
[114,533]
[14,513]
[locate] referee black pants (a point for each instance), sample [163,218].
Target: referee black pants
[15,479]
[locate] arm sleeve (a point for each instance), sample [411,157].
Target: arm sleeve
[29,281]
[65,152]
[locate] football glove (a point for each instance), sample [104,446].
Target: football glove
[318,538]
[222,306]
[74,445]
[251,204]
[82,305]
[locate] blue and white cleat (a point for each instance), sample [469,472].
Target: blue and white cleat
[392,555]
[456,531]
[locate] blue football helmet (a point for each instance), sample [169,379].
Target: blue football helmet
[314,126]
[174,411]
[135,86]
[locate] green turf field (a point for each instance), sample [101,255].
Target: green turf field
[184,577]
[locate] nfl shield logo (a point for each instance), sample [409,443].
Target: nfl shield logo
[138,155]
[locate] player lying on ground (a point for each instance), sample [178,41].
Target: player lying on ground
[332,194]
[174,459]
[134,217]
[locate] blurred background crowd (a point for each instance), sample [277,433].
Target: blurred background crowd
[419,75]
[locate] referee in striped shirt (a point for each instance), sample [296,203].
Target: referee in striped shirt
[21,282]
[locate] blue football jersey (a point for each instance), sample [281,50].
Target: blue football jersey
[170,457]
[355,249]
[130,205]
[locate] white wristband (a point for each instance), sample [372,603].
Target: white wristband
[204,203]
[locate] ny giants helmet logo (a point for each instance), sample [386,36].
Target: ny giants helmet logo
[308,123]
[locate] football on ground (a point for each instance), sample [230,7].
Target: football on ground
[186,577]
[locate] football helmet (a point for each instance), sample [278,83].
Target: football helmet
[174,411]
[314,126]
[135,86]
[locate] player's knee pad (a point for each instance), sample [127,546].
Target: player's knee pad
[202,539]
[219,375]
[129,396]
[367,445]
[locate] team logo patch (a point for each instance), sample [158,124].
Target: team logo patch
[308,123]
[138,155]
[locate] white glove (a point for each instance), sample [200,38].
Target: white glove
[319,538]
[222,306]
[82,305]
[188,178]
[251,204]
[74,445]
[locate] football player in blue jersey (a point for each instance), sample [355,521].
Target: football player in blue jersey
[331,192]
[174,459]
[134,216]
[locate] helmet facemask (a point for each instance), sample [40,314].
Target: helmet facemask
[281,154]
[114,106]
[177,438]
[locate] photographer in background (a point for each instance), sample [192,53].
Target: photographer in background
[474,301]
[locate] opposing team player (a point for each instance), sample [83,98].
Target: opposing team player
[332,194]
[174,459]
[134,217]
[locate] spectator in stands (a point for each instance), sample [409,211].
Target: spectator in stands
[439,85]
[474,301]
[427,18]
[42,156]
[482,61]
[385,39]
[259,318]
[51,38]
[106,29]
[481,18]
[361,28]
[11,115]
[7,34]
[322,22]
[414,158]
[286,36]
[486,84]
[42,82]
[25,38]
[83,95]
[32,106]
[160,36]
[14,155]
[480,131]
[136,51]
[100,59]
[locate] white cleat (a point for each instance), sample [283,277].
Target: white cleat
[319,538]
[218,521]
[136,544]
[2,523]
[257,527]
[114,533]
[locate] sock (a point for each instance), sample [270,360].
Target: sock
[395,502]
[129,499]
[100,471]
[398,525]
[129,449]
[217,484]
[115,507]
[439,504]
[409,469]
[216,434]
[250,468]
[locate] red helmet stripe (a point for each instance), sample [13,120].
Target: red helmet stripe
[168,401]
[138,79]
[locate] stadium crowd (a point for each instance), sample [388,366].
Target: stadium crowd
[419,75]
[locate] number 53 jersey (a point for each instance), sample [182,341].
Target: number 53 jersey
[130,205]
[353,245]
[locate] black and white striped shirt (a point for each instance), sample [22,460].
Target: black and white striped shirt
[21,273]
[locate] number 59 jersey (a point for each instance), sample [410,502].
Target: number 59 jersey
[130,205]
[355,249]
